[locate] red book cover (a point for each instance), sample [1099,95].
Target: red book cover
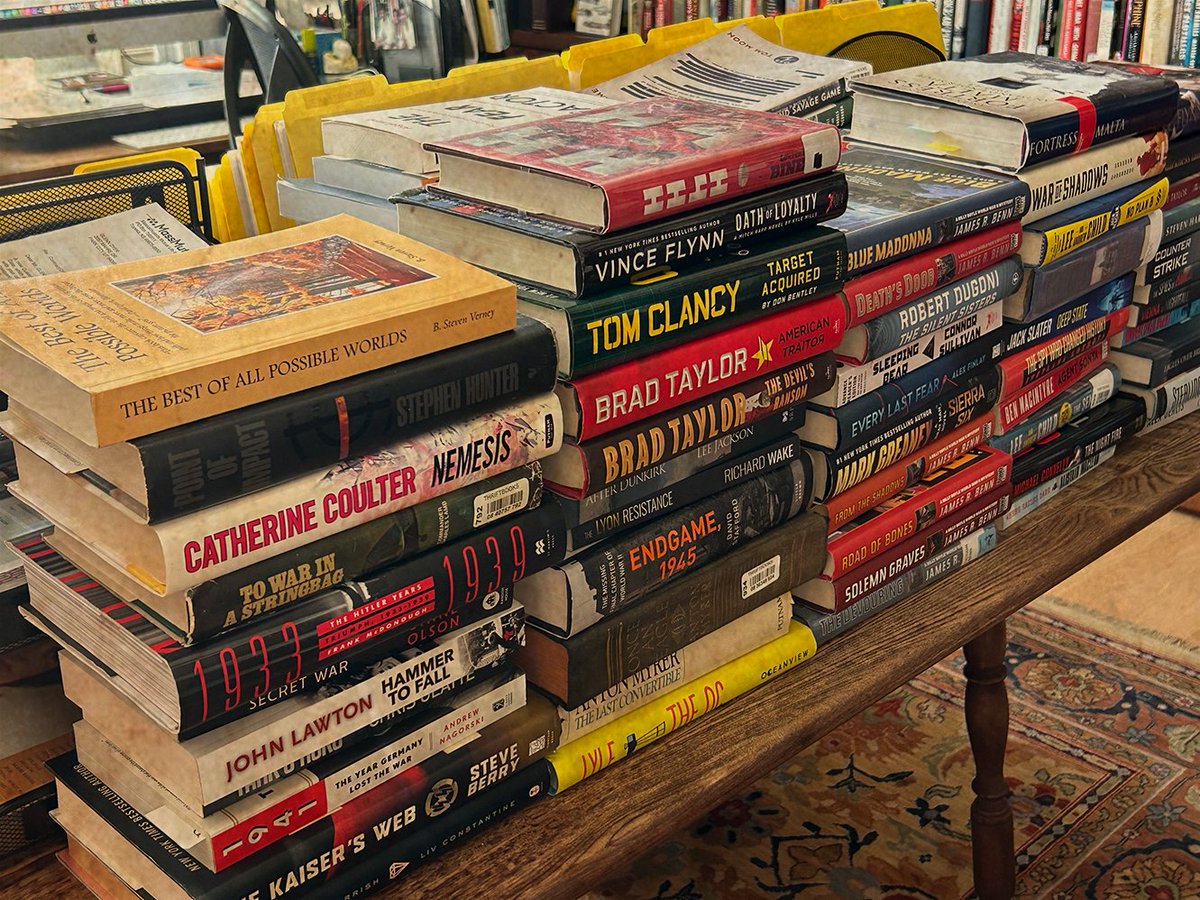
[1182,191]
[1014,31]
[1010,412]
[886,484]
[649,159]
[1091,29]
[1021,369]
[944,491]
[613,398]
[903,556]
[874,293]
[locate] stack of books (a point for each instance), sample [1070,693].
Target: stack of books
[291,482]
[1089,142]
[31,696]
[370,156]
[1158,356]
[898,443]
[694,302]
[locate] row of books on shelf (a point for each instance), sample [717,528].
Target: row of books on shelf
[355,539]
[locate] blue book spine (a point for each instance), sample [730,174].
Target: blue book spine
[1108,298]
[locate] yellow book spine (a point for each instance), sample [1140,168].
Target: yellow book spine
[1061,241]
[596,751]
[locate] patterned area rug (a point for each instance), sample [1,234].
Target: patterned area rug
[1103,761]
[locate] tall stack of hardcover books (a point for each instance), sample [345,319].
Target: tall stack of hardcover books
[1089,142]
[694,303]
[897,443]
[1158,355]
[292,481]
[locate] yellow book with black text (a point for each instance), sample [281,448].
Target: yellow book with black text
[579,759]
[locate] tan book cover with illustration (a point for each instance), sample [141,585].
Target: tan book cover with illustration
[128,350]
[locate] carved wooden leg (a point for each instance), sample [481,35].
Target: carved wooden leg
[987,725]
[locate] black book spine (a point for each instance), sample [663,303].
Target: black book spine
[1174,257]
[1087,268]
[947,387]
[730,287]
[589,523]
[1105,427]
[264,588]
[1180,359]
[199,465]
[337,857]
[644,445]
[622,571]
[1108,298]
[391,611]
[1123,111]
[877,245]
[850,467]
[683,241]
[620,645]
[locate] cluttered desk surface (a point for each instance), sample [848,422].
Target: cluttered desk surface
[33,105]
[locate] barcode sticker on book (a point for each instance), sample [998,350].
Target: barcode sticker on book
[502,501]
[760,576]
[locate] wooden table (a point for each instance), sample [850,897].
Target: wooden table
[562,847]
[22,162]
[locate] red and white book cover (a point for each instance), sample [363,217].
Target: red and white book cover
[623,394]
[1016,408]
[651,159]
[899,558]
[871,295]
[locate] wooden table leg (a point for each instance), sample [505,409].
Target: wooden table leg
[986,708]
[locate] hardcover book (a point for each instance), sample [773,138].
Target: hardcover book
[576,262]
[197,466]
[667,308]
[1154,360]
[950,489]
[887,565]
[1062,184]
[1054,236]
[1147,327]
[1023,401]
[852,502]
[1035,497]
[1009,110]
[580,470]
[611,576]
[1187,114]
[1097,303]
[125,351]
[854,382]
[1104,427]
[745,633]
[356,623]
[281,582]
[913,321]
[872,295]
[380,182]
[902,204]
[1101,262]
[422,770]
[212,769]
[609,512]
[573,669]
[187,551]
[634,162]
[345,857]
[1169,401]
[395,137]
[635,390]
[738,68]
[585,756]
[1074,402]
[827,625]
[954,390]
